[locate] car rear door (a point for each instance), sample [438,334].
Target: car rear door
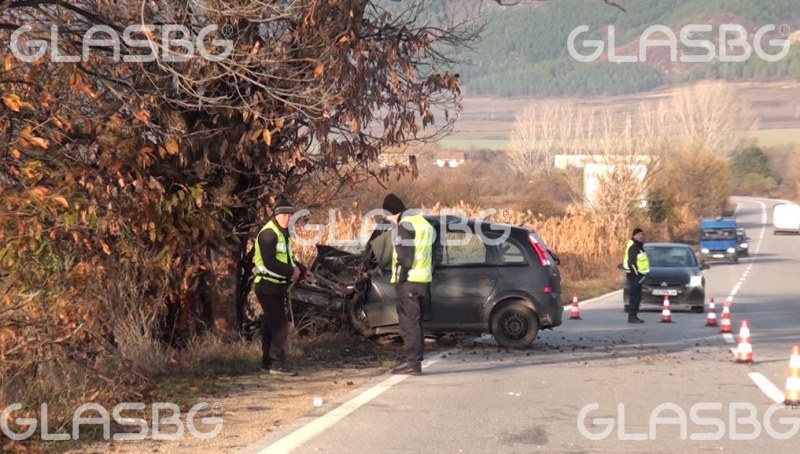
[463,280]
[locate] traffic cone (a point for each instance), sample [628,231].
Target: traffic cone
[744,352]
[725,325]
[666,314]
[574,313]
[711,320]
[791,394]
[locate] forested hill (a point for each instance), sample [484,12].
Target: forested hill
[523,50]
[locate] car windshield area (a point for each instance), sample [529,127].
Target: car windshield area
[718,234]
[670,257]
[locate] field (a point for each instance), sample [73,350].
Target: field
[486,123]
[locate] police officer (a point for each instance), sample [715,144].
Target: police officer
[412,273]
[276,268]
[636,265]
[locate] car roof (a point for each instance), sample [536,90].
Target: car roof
[449,219]
[668,245]
[717,223]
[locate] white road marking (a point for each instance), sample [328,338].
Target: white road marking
[767,387]
[728,338]
[299,437]
[735,290]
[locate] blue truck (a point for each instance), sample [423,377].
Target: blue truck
[718,240]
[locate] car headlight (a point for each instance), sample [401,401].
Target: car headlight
[731,250]
[704,251]
[695,281]
[743,245]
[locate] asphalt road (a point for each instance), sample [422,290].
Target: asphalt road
[640,388]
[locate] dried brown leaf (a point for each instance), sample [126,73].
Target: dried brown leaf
[172,147]
[61,201]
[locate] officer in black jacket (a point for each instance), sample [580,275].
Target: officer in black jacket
[276,269]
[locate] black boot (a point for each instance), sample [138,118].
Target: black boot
[409,368]
[634,319]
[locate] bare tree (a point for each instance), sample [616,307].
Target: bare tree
[710,115]
[615,145]
[540,130]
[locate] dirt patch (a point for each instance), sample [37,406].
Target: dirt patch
[254,403]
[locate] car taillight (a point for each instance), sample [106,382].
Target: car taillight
[540,251]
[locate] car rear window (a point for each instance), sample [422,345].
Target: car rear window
[511,252]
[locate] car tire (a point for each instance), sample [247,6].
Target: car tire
[357,317]
[515,325]
[698,309]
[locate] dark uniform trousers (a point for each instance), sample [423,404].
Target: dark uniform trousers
[634,292]
[274,328]
[412,297]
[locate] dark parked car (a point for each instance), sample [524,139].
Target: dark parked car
[506,284]
[742,243]
[674,272]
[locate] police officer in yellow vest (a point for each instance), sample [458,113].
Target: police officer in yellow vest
[636,265]
[275,269]
[412,273]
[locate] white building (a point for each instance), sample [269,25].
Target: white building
[597,168]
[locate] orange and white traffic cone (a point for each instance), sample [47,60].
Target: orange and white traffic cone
[711,320]
[725,325]
[791,394]
[574,313]
[744,352]
[666,314]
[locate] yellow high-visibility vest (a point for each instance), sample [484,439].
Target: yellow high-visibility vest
[283,252]
[422,266]
[642,262]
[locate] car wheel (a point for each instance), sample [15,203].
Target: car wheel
[357,317]
[515,326]
[698,309]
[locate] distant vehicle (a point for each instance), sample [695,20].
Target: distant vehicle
[674,272]
[743,243]
[786,218]
[509,287]
[718,241]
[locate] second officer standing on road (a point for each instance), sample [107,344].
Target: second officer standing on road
[412,273]
[636,265]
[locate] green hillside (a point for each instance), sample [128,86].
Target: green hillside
[523,50]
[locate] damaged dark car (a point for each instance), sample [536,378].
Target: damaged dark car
[488,277]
